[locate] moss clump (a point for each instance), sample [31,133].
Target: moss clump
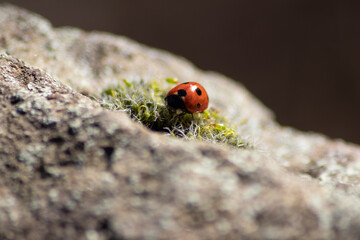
[144,101]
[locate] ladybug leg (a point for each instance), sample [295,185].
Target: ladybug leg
[176,120]
[174,117]
[192,115]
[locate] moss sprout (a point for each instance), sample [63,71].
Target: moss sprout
[144,102]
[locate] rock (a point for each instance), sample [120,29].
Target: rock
[70,169]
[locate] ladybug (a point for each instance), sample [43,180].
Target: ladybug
[188,97]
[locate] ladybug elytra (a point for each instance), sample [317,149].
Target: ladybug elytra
[189,97]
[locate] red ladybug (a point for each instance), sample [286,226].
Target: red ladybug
[189,97]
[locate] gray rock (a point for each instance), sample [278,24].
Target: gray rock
[70,169]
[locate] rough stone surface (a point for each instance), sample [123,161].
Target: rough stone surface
[72,170]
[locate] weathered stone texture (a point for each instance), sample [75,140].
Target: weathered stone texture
[70,169]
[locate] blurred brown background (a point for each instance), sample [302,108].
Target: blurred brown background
[300,58]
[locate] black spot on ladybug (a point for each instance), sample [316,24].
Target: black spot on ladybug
[185,83]
[198,105]
[182,92]
[198,91]
[175,102]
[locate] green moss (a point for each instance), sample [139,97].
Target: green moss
[144,102]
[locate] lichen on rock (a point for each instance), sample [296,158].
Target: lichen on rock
[144,102]
[71,169]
